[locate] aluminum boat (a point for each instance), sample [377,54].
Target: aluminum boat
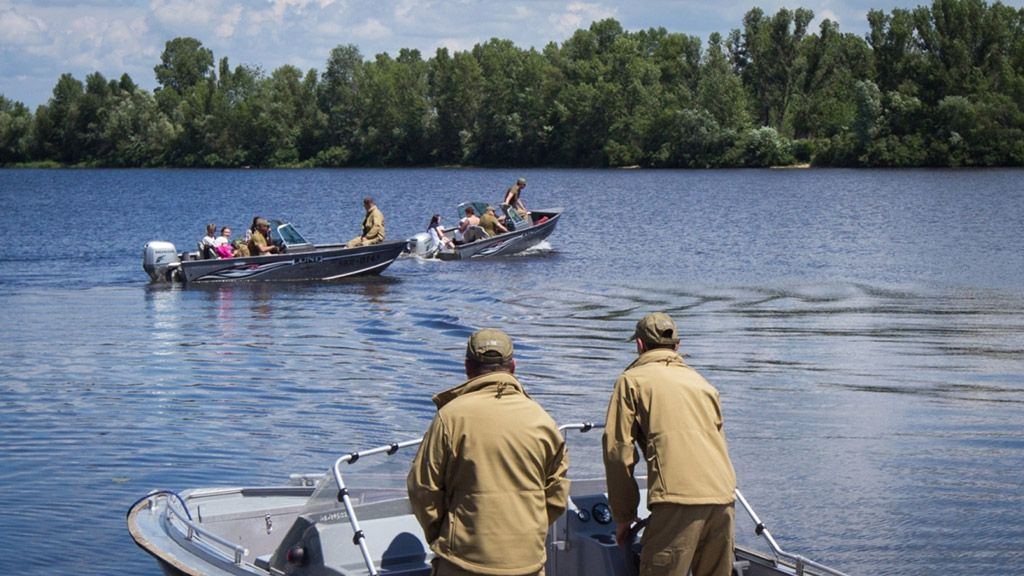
[318,525]
[297,260]
[524,233]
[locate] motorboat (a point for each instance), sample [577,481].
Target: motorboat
[525,231]
[297,260]
[317,525]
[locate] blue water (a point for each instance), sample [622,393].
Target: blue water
[865,330]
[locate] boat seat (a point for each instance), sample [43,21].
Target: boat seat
[474,233]
[207,252]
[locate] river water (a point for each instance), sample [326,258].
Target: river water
[865,330]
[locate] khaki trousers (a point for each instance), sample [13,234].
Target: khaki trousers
[360,241]
[443,567]
[688,538]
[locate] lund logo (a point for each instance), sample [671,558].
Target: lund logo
[308,260]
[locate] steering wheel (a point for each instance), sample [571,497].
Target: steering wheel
[631,548]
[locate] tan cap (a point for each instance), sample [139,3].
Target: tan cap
[489,346]
[521,181]
[656,328]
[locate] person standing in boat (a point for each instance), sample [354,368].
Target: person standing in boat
[490,223]
[674,415]
[490,475]
[373,226]
[513,198]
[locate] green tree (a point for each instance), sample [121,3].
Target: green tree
[720,90]
[339,96]
[15,130]
[184,64]
[824,103]
[455,90]
[765,54]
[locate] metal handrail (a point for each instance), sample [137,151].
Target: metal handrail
[359,538]
[193,530]
[760,529]
[798,561]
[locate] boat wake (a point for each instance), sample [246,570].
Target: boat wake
[539,248]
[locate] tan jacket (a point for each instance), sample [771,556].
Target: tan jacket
[373,225]
[675,417]
[489,477]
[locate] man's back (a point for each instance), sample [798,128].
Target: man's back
[504,463]
[680,422]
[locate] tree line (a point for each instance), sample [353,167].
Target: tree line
[939,85]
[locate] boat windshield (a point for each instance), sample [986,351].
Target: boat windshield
[478,208]
[287,234]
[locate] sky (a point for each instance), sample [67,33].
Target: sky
[42,39]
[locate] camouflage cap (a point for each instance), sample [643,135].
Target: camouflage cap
[489,346]
[656,328]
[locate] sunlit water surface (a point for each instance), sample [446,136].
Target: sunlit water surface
[865,330]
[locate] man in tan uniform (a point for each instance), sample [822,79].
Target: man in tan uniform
[489,222]
[674,415]
[373,226]
[490,475]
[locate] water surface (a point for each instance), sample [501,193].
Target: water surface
[865,330]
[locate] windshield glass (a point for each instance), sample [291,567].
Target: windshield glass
[287,234]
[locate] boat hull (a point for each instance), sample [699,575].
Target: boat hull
[509,242]
[258,522]
[324,263]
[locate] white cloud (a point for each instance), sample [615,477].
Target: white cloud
[229,21]
[20,29]
[372,29]
[456,44]
[186,17]
[579,15]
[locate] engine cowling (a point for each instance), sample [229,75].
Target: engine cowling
[160,260]
[419,245]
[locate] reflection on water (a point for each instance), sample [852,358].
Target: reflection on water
[868,358]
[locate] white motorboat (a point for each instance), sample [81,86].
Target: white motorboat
[317,525]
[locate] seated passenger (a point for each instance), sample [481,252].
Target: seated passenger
[438,239]
[490,223]
[259,244]
[373,226]
[207,244]
[465,224]
[222,244]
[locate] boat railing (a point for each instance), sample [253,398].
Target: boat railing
[199,535]
[358,537]
[798,562]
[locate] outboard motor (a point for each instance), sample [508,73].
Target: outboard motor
[419,245]
[160,260]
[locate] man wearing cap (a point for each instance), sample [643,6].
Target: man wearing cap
[512,198]
[490,475]
[674,415]
[373,226]
[258,242]
[490,223]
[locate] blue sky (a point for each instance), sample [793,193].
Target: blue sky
[42,39]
